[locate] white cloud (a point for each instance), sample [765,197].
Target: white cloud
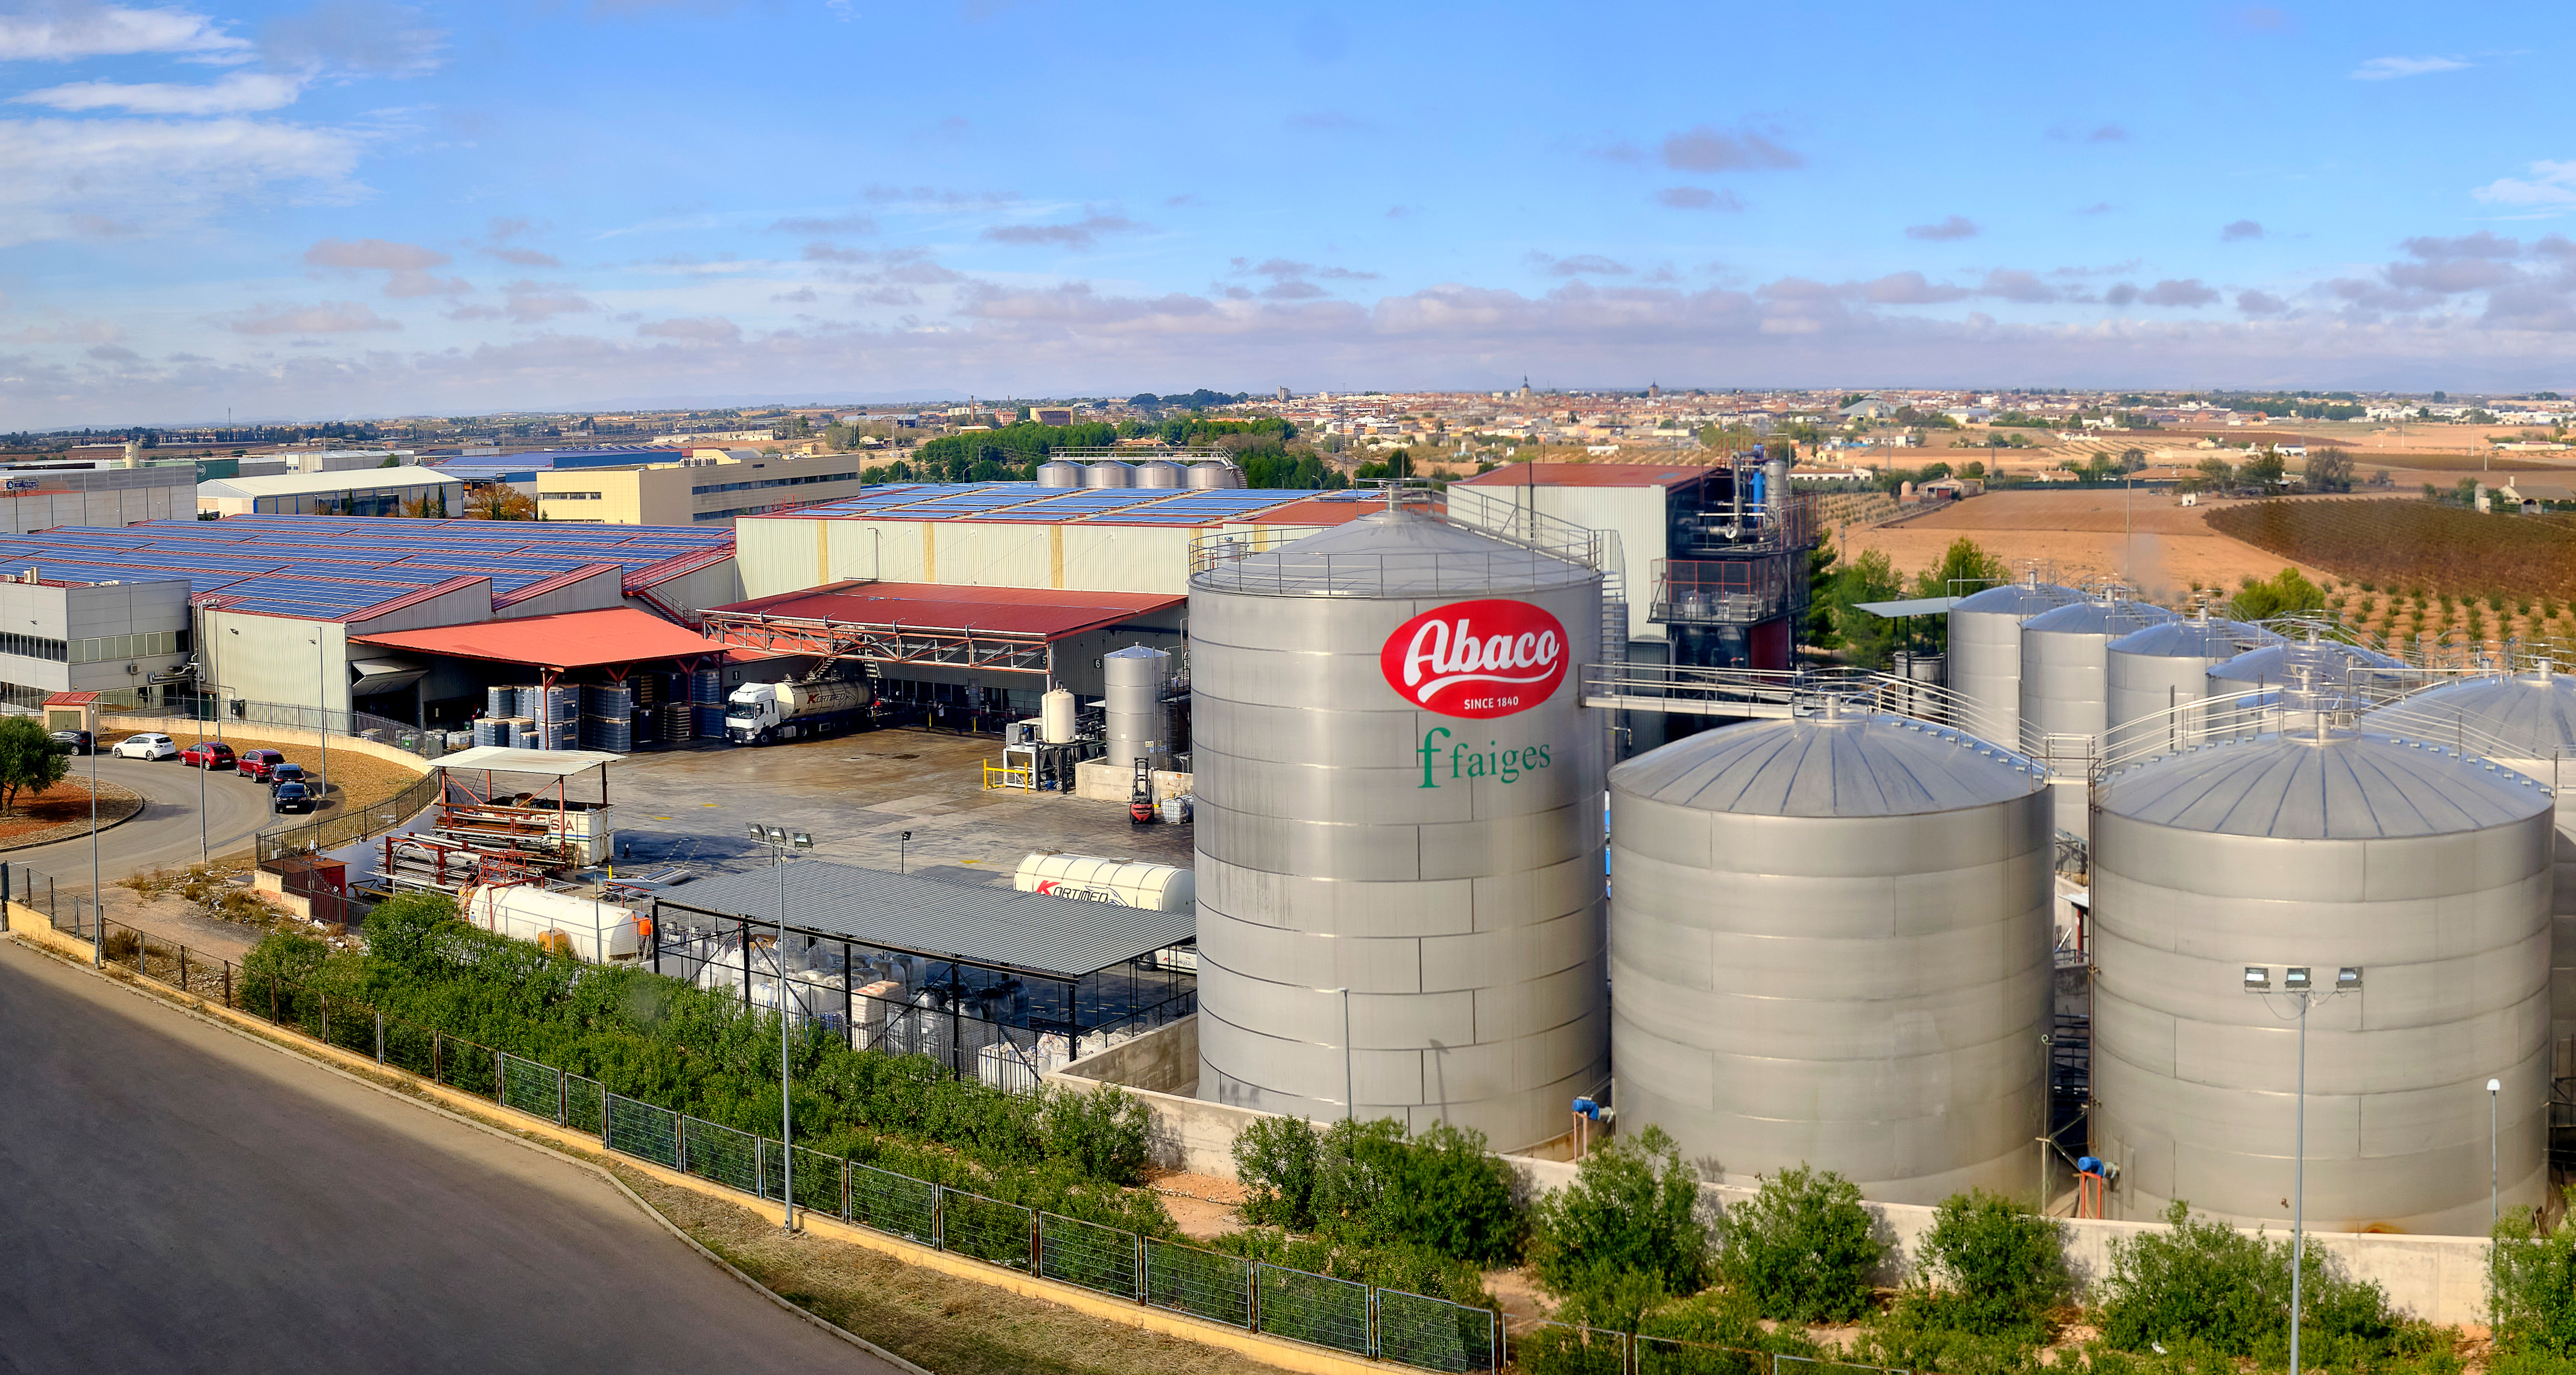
[322,317]
[2551,183]
[71,32]
[65,174]
[238,93]
[369,36]
[2391,68]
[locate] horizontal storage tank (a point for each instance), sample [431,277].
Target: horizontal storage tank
[1058,473]
[1399,794]
[2151,673]
[586,929]
[1108,472]
[2425,870]
[2526,722]
[1830,942]
[1127,883]
[1985,654]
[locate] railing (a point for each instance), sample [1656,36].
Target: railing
[1414,1330]
[350,825]
[1771,692]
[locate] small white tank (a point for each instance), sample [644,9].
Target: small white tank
[1088,878]
[590,930]
[1056,716]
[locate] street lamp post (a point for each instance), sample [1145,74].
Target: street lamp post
[780,840]
[2297,982]
[97,913]
[1350,1092]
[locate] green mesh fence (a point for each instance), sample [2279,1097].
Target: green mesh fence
[1559,1349]
[1315,1308]
[1200,1283]
[643,1131]
[1666,1356]
[1433,1334]
[409,1047]
[1087,1254]
[892,1203]
[728,1157]
[531,1088]
[987,1229]
[466,1066]
[583,1101]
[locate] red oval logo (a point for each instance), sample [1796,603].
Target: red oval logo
[1476,659]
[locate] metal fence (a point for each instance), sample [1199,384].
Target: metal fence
[349,825]
[1413,1330]
[402,735]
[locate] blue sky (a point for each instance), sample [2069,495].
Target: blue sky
[357,207]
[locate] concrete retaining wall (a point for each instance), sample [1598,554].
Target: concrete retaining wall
[2439,1279]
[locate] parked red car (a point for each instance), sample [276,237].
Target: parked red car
[259,764]
[207,754]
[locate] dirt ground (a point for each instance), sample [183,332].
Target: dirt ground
[2076,537]
[63,809]
[352,779]
[952,1326]
[1202,1206]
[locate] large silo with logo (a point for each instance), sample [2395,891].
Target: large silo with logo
[1399,828]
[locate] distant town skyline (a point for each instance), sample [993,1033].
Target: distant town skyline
[359,208]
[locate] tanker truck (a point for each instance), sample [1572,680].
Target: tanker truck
[760,713]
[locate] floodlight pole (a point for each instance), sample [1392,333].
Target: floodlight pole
[778,839]
[2495,1174]
[97,913]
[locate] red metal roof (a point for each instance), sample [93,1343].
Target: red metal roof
[574,639]
[944,606]
[1590,475]
[71,699]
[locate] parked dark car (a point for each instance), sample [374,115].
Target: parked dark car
[74,742]
[288,773]
[292,797]
[258,764]
[207,754]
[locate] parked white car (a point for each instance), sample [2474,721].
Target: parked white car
[146,746]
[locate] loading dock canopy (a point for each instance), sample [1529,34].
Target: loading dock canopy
[1002,628]
[570,640]
[995,928]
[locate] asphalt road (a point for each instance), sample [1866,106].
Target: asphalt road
[174,1196]
[165,832]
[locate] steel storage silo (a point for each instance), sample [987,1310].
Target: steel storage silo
[1058,473]
[2526,722]
[1108,472]
[1985,654]
[2311,664]
[2065,691]
[2425,870]
[1830,941]
[1132,704]
[1157,472]
[2149,673]
[1399,794]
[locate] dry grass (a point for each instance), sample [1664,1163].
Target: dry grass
[952,1326]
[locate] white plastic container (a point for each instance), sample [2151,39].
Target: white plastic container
[1088,878]
[593,931]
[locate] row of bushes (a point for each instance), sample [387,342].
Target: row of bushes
[662,1041]
[1630,1246]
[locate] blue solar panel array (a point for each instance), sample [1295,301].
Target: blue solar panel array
[1027,501]
[332,566]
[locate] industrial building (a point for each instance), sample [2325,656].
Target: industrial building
[42,496]
[127,641]
[284,604]
[520,470]
[1016,534]
[708,487]
[339,492]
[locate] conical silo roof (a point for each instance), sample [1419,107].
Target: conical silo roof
[1863,764]
[2335,785]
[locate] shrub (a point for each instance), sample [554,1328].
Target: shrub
[2531,1285]
[1102,1133]
[2207,1283]
[1339,1250]
[1802,1247]
[1275,1160]
[1989,1268]
[1440,1190]
[1633,1206]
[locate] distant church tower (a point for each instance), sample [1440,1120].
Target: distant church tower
[1525,391]
[1653,390]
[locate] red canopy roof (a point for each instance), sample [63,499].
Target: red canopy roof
[573,639]
[946,606]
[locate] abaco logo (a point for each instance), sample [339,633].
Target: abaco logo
[1476,659]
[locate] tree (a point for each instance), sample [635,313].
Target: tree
[1866,635]
[1633,1207]
[27,759]
[2329,470]
[2217,473]
[2288,593]
[499,501]
[1965,569]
